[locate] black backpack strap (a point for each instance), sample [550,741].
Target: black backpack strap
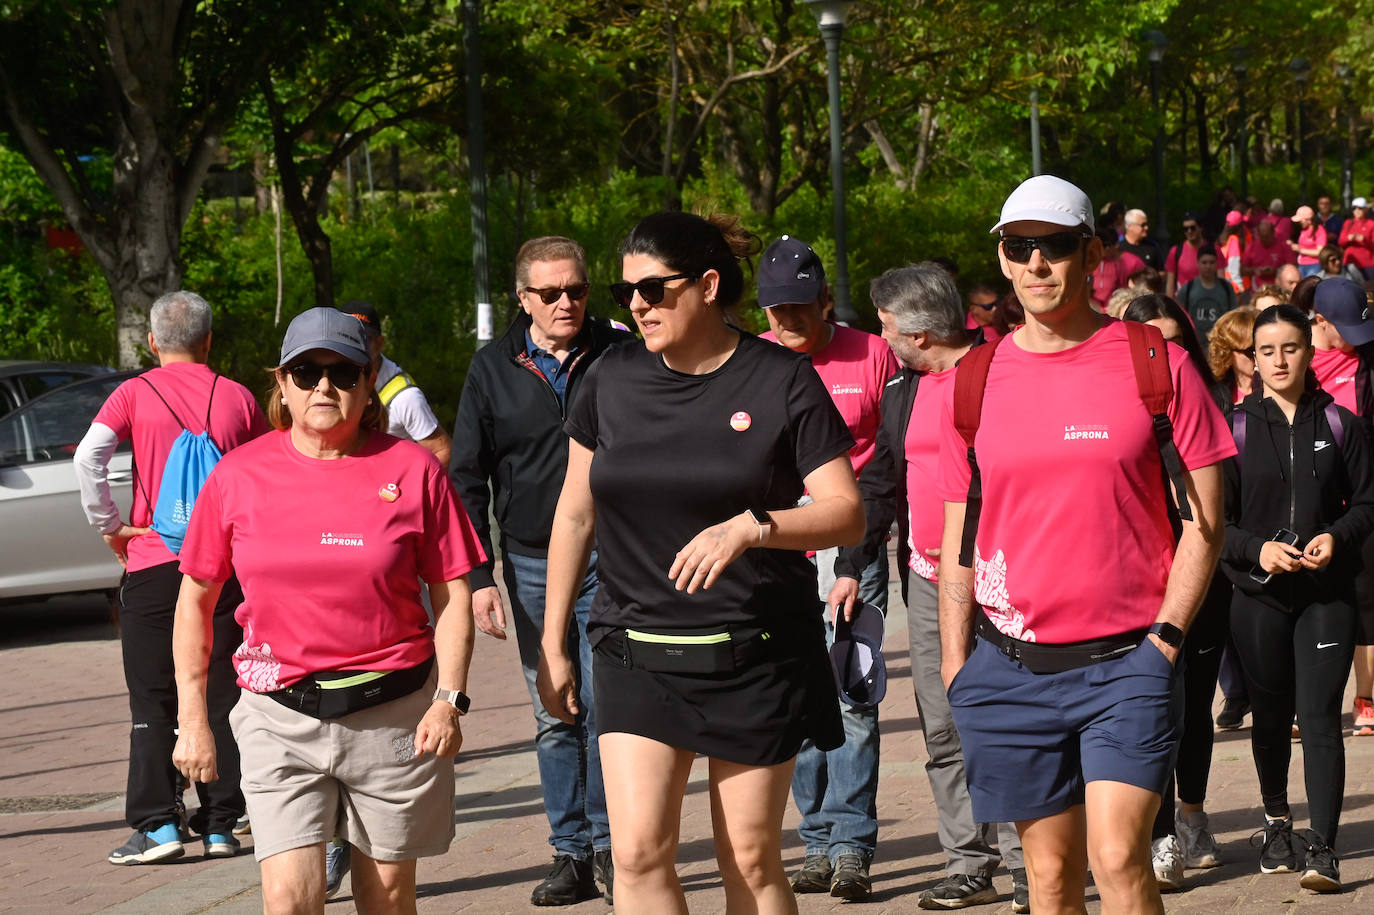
[164,403]
[208,404]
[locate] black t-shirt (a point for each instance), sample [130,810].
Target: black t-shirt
[1147,250]
[675,454]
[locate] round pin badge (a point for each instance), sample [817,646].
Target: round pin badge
[389,493]
[741,421]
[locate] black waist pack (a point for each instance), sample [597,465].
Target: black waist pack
[1053,659]
[709,650]
[334,694]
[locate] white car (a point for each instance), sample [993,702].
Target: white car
[49,547]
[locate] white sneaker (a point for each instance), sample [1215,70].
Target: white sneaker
[1168,863]
[1198,844]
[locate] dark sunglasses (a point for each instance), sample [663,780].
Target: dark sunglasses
[1019,248]
[650,289]
[548,296]
[1192,228]
[343,375]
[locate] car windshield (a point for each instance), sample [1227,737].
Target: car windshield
[50,427]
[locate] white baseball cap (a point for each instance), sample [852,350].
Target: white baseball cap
[1046,198]
[1359,202]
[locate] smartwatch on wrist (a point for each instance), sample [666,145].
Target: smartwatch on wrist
[762,519]
[454,697]
[1170,634]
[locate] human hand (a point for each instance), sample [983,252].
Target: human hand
[194,754]
[1317,553]
[844,593]
[699,563]
[488,612]
[557,686]
[439,731]
[1276,557]
[1165,648]
[118,542]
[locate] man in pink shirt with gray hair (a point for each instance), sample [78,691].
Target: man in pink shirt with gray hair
[1070,571]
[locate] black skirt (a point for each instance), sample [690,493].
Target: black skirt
[755,717]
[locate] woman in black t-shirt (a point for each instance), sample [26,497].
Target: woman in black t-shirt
[687,454]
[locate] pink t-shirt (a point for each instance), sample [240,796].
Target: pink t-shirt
[1182,262]
[134,411]
[1336,371]
[854,366]
[1283,227]
[1074,540]
[330,554]
[1266,260]
[989,332]
[1113,275]
[1314,237]
[925,509]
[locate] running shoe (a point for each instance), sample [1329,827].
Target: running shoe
[1167,860]
[220,845]
[850,880]
[603,871]
[1198,844]
[1364,717]
[338,858]
[150,846]
[1020,891]
[1232,714]
[959,891]
[814,876]
[1278,856]
[243,827]
[1321,871]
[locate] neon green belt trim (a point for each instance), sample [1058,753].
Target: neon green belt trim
[366,676]
[714,638]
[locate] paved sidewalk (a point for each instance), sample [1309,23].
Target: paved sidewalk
[63,734]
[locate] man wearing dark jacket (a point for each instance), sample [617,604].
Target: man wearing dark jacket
[923,323]
[509,437]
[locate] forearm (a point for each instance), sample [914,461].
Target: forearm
[956,607]
[92,461]
[1195,559]
[833,521]
[192,639]
[453,631]
[570,548]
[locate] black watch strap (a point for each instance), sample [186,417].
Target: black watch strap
[1171,634]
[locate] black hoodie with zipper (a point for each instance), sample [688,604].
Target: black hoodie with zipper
[1296,476]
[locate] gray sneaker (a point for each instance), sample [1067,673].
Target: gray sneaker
[814,876]
[1020,891]
[338,858]
[1198,844]
[850,878]
[958,891]
[1168,863]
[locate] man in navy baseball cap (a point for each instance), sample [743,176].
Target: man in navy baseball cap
[1345,304]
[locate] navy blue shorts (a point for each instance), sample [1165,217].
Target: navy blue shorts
[1032,741]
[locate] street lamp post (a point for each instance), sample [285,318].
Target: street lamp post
[1157,43]
[1344,73]
[1240,70]
[477,169]
[831,14]
[1035,132]
[1300,68]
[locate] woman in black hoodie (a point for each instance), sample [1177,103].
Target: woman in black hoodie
[1299,502]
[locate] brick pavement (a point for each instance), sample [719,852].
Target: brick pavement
[63,727]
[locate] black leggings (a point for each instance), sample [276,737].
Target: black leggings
[1297,662]
[1200,660]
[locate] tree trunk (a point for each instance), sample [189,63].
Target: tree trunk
[262,184]
[1204,152]
[923,145]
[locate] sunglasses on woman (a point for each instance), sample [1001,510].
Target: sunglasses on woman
[650,289]
[552,294]
[1019,248]
[343,375]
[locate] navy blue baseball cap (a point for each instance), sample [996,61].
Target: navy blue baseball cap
[857,657]
[790,273]
[1345,304]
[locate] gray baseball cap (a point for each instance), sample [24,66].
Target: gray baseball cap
[326,328]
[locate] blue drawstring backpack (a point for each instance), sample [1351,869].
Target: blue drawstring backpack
[188,465]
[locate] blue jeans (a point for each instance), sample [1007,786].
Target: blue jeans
[569,759]
[1306,270]
[837,792]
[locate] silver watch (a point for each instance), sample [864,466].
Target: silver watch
[454,697]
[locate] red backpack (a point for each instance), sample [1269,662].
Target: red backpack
[1149,358]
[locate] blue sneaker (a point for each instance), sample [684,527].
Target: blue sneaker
[338,857]
[150,846]
[220,845]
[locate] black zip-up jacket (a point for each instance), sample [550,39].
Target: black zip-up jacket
[882,482]
[1295,477]
[509,437]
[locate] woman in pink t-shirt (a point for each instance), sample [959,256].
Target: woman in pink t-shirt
[330,524]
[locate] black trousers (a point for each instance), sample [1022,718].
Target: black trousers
[1297,662]
[1200,660]
[147,605]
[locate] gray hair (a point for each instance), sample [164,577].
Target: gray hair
[922,299]
[1135,218]
[180,321]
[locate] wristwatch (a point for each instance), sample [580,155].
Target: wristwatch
[454,697]
[1169,633]
[762,519]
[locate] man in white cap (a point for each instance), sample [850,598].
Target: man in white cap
[1066,702]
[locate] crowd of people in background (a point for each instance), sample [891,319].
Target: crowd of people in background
[692,533]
